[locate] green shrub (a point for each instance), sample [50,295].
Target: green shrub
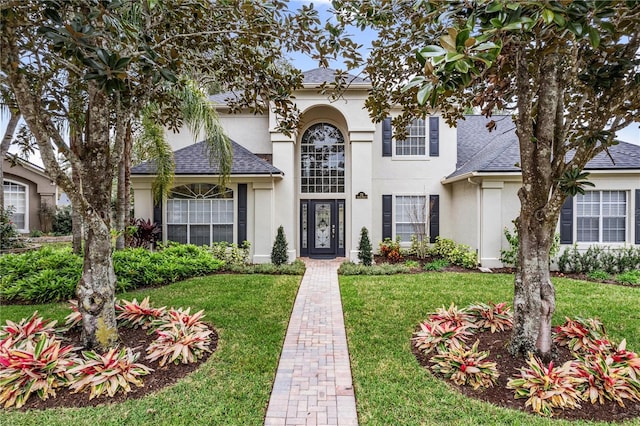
[365,251]
[62,223]
[611,260]
[231,254]
[510,256]
[279,254]
[35,233]
[436,265]
[457,254]
[8,232]
[598,275]
[629,277]
[49,275]
[350,268]
[411,264]
[419,246]
[297,267]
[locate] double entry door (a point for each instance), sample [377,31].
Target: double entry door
[322,228]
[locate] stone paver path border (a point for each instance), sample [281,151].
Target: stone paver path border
[313,384]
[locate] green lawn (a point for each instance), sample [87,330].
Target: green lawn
[381,313]
[250,313]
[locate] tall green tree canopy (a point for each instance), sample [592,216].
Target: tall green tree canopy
[83,68]
[569,71]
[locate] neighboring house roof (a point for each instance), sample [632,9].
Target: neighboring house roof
[194,160]
[497,151]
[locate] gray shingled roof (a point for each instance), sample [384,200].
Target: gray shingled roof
[497,151]
[321,75]
[316,76]
[194,160]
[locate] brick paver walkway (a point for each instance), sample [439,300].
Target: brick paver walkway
[313,384]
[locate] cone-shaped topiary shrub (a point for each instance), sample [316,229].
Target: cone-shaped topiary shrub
[279,251]
[365,252]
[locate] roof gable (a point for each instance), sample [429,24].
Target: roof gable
[194,160]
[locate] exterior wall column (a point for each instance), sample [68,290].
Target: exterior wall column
[283,149]
[491,224]
[361,192]
[143,200]
[264,231]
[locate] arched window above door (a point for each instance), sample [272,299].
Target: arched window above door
[322,160]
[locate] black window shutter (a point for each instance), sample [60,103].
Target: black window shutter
[434,137]
[387,216]
[386,137]
[242,212]
[566,222]
[157,217]
[637,216]
[434,217]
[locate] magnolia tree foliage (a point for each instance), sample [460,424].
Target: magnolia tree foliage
[569,72]
[80,69]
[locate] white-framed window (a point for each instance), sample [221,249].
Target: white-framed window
[322,160]
[601,216]
[200,214]
[16,198]
[415,143]
[410,216]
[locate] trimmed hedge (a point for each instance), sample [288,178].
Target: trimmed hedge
[49,275]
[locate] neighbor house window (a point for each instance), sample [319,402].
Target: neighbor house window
[322,159]
[601,216]
[200,214]
[15,198]
[410,216]
[415,142]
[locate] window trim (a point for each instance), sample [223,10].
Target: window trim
[394,215]
[26,203]
[188,223]
[600,219]
[413,157]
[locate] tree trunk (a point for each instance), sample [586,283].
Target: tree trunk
[534,295]
[121,206]
[96,289]
[4,147]
[76,217]
[126,160]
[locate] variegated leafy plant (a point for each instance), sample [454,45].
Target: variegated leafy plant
[547,387]
[434,335]
[39,365]
[110,373]
[492,316]
[465,366]
[582,335]
[178,341]
[134,314]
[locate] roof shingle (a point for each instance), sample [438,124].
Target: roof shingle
[498,151]
[194,160]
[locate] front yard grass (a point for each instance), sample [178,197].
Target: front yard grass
[250,313]
[382,312]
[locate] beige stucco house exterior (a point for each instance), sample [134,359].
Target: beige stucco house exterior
[27,188]
[342,172]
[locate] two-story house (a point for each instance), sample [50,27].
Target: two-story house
[342,172]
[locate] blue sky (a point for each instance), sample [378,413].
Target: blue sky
[630,134]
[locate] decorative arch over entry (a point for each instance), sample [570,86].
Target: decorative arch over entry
[322,160]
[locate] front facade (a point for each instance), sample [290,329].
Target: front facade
[341,172]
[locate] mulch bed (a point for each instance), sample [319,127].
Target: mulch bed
[508,367]
[138,340]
